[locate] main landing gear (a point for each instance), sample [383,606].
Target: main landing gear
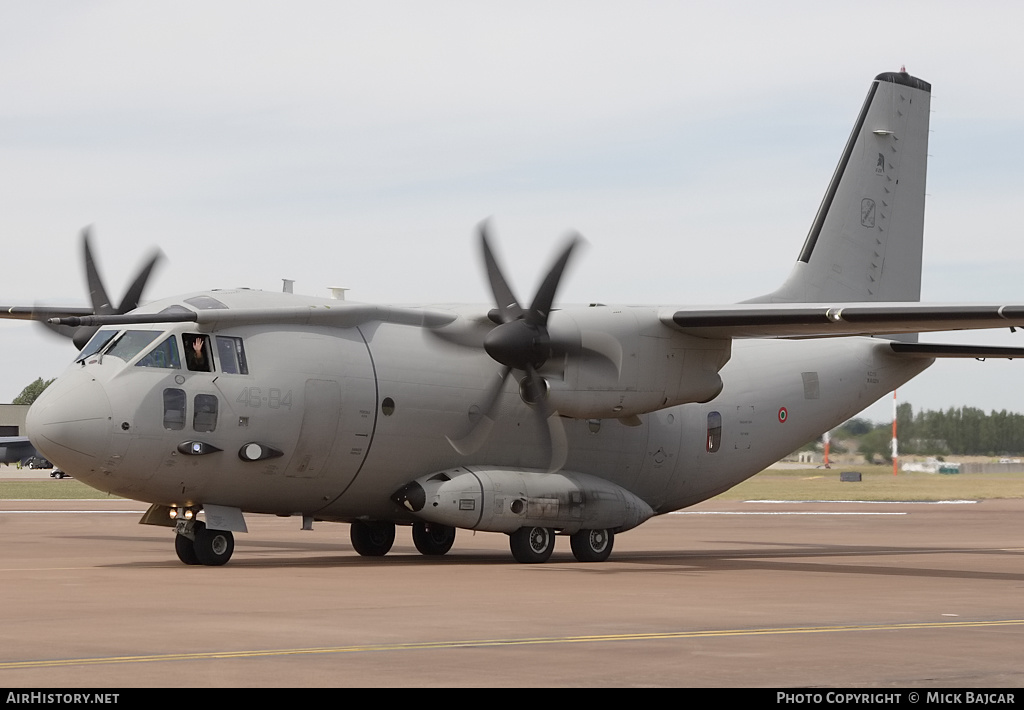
[199,546]
[432,539]
[529,545]
[535,545]
[374,539]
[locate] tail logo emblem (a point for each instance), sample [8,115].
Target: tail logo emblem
[867,212]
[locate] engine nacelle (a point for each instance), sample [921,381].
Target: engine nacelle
[504,500]
[624,361]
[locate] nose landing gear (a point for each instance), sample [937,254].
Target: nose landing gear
[197,545]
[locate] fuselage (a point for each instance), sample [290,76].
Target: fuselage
[329,422]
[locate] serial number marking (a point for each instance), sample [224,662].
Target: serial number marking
[253,397]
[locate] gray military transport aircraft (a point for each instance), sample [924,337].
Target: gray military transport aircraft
[527,420]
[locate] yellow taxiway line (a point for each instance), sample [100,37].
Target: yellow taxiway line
[485,643]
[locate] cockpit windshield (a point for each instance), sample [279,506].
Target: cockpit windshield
[131,343]
[96,343]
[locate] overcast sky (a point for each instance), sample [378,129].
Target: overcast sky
[358,144]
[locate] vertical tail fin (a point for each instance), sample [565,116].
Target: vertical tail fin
[865,243]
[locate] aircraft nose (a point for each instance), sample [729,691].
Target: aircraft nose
[70,421]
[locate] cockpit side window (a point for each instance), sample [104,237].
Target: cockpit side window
[231,355]
[131,343]
[96,343]
[163,355]
[197,352]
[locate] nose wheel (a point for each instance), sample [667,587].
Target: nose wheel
[200,546]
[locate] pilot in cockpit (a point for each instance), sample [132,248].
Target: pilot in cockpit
[196,353]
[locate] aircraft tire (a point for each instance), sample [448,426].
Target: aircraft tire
[372,539]
[213,547]
[592,545]
[433,539]
[186,550]
[532,545]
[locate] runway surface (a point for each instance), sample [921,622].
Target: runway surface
[732,594]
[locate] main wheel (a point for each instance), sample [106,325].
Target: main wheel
[592,545]
[433,539]
[186,550]
[372,539]
[212,547]
[532,545]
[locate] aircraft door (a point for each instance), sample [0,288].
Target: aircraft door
[335,434]
[318,436]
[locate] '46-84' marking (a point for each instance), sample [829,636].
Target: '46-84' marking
[254,397]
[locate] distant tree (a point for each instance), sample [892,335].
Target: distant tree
[32,392]
[854,427]
[878,442]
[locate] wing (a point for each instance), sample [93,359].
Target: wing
[41,313]
[341,315]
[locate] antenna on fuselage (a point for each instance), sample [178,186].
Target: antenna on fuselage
[337,292]
[287,285]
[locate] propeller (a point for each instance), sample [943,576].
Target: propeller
[521,341]
[98,293]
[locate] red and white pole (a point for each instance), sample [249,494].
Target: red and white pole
[895,447]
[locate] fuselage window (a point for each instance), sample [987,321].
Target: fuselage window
[96,343]
[205,417]
[231,355]
[174,408]
[131,343]
[197,352]
[714,440]
[163,355]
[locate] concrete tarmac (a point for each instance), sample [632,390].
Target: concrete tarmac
[727,595]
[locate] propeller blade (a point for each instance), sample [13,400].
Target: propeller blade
[97,292]
[508,305]
[559,443]
[545,296]
[134,293]
[550,423]
[475,436]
